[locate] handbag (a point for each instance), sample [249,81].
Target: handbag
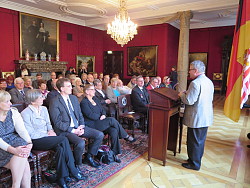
[105,155]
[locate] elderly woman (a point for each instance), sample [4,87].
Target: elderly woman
[43,88]
[112,91]
[27,82]
[95,117]
[37,122]
[123,89]
[78,89]
[15,143]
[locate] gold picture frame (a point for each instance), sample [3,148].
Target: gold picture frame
[202,56]
[6,74]
[38,34]
[85,59]
[142,60]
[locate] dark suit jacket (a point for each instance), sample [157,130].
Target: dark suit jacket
[89,111]
[16,96]
[139,99]
[100,97]
[49,86]
[60,116]
[51,95]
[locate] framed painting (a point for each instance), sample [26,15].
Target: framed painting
[86,61]
[37,35]
[198,56]
[142,60]
[6,74]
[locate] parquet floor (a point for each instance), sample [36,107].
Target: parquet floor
[226,161]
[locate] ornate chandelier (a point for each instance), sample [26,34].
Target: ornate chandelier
[122,29]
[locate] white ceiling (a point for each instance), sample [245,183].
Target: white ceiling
[98,13]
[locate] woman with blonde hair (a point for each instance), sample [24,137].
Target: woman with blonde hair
[78,89]
[15,143]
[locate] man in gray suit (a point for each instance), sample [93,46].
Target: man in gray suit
[18,94]
[68,121]
[198,115]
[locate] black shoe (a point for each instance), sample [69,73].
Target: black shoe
[189,166]
[79,177]
[79,170]
[67,179]
[117,159]
[89,160]
[130,139]
[62,183]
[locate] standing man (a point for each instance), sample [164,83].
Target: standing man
[198,115]
[68,121]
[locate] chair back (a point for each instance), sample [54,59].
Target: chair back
[124,104]
[217,80]
[217,76]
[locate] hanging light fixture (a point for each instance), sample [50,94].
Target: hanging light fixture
[122,29]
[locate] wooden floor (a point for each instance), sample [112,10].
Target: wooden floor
[226,161]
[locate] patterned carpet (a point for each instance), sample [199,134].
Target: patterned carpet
[131,151]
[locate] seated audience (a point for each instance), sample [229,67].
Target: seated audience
[52,77]
[166,82]
[159,81]
[90,79]
[27,82]
[84,79]
[95,117]
[37,122]
[95,75]
[43,88]
[78,89]
[153,83]
[112,91]
[18,93]
[123,89]
[10,82]
[105,82]
[39,76]
[15,143]
[140,97]
[67,119]
[132,82]
[101,76]
[53,93]
[3,84]
[70,71]
[72,78]
[106,103]
[23,71]
[146,81]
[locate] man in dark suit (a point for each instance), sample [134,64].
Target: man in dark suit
[104,100]
[18,94]
[53,77]
[52,94]
[67,118]
[140,96]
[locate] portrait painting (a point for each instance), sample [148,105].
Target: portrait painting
[37,35]
[85,61]
[6,74]
[198,56]
[142,60]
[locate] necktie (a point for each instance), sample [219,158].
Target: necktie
[71,112]
[22,93]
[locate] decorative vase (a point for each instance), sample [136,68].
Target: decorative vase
[27,55]
[35,57]
[49,57]
[57,57]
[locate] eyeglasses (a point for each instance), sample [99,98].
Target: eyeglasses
[191,69]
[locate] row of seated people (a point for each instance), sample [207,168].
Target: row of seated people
[67,117]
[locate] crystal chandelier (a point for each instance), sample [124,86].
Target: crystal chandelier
[122,29]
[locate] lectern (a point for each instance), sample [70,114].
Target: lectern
[163,123]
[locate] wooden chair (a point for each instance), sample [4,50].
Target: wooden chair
[6,178]
[217,79]
[126,115]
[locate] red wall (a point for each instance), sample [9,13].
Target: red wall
[210,40]
[88,41]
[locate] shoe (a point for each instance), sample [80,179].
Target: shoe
[189,166]
[89,160]
[79,177]
[117,159]
[79,170]
[130,139]
[67,179]
[61,182]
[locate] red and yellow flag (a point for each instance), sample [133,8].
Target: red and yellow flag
[241,44]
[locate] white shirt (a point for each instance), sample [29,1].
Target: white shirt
[66,102]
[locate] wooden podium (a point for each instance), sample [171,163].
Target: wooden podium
[163,123]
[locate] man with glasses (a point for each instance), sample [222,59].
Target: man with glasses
[68,121]
[18,93]
[153,83]
[198,114]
